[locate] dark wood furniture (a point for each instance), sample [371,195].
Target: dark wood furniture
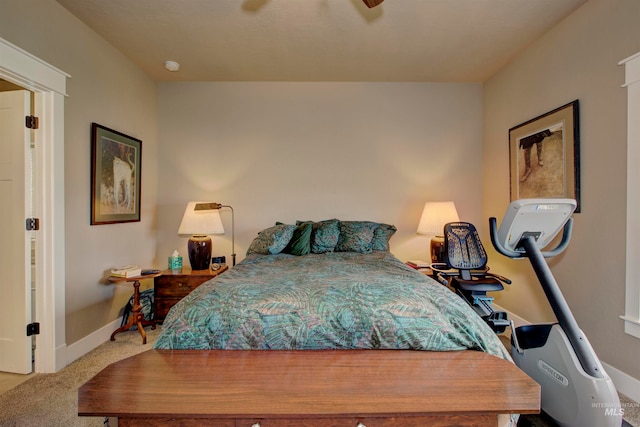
[136,318]
[254,388]
[172,286]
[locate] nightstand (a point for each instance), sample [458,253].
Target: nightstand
[427,271]
[172,286]
[422,267]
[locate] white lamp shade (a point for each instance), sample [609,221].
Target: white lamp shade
[199,219]
[435,215]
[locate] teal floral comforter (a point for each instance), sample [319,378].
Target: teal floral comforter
[338,300]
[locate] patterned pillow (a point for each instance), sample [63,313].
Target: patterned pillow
[324,236]
[356,236]
[381,236]
[272,240]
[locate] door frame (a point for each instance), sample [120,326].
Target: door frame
[49,87]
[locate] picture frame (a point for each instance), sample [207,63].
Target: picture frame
[544,156]
[116,161]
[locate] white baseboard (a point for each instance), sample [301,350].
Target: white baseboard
[60,359]
[91,341]
[625,384]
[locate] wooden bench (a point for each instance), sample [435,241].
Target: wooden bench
[371,388]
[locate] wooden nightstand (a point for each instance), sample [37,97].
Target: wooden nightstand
[172,286]
[427,271]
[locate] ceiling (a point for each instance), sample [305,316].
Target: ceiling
[321,40]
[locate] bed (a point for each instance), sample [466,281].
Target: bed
[335,304]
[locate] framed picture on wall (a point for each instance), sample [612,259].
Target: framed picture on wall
[115,176]
[544,156]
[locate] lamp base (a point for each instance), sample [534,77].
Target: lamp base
[199,248]
[437,249]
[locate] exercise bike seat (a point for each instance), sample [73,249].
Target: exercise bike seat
[486,284]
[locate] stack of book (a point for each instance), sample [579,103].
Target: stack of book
[126,271]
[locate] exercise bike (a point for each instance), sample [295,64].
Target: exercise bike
[576,390]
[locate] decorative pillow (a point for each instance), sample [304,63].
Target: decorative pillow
[300,243]
[356,236]
[272,240]
[324,236]
[381,236]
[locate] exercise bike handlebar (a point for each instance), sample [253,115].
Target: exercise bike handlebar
[499,277]
[446,272]
[566,237]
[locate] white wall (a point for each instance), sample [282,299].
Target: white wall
[575,60]
[288,151]
[105,87]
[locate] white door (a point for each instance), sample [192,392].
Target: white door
[15,241]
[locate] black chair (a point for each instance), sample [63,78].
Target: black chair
[467,272]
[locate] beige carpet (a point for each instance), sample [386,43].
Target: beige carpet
[52,399]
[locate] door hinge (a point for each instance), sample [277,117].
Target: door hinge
[33,329]
[31,122]
[33,224]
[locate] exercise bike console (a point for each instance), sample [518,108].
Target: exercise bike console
[539,219]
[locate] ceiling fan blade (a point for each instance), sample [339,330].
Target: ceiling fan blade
[372,3]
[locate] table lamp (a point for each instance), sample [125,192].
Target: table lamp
[434,216]
[200,219]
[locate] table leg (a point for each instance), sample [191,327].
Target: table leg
[136,317]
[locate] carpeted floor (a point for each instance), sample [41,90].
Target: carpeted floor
[52,399]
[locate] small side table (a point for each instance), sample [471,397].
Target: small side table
[427,271]
[136,318]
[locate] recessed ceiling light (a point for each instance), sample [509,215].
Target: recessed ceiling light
[172,66]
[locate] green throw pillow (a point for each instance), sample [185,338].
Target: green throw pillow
[300,243]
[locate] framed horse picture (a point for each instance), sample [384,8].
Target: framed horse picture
[115,176]
[544,156]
